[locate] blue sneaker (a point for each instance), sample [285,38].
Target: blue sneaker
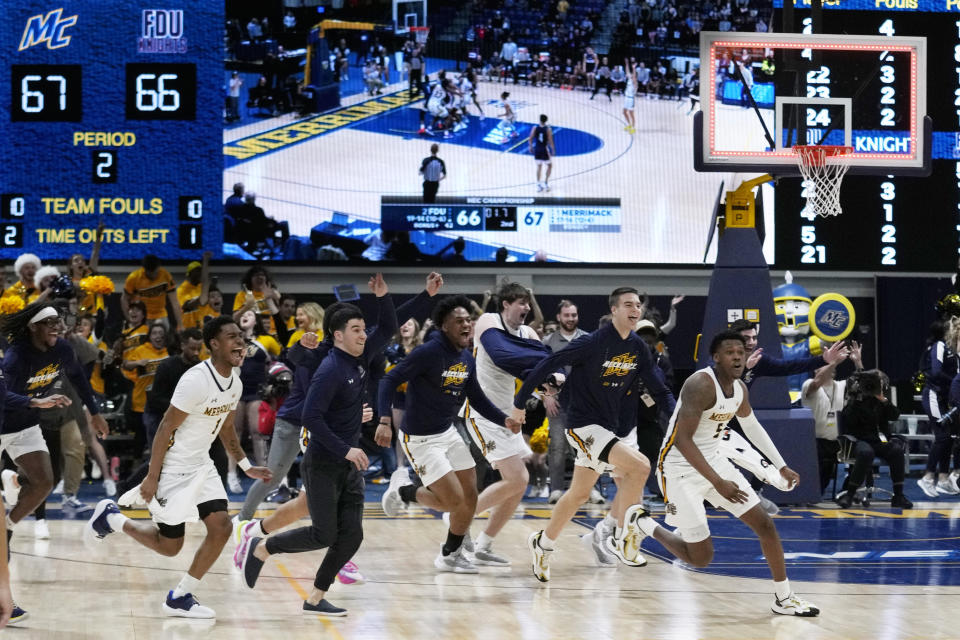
[97,526]
[323,608]
[18,615]
[186,606]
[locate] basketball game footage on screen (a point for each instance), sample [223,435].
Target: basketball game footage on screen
[356,140]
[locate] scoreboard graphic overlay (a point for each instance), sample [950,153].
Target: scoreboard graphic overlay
[110,111]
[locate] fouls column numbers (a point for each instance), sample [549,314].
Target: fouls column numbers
[12,207]
[818,86]
[888,189]
[191,216]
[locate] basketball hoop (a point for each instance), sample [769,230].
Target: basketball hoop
[420,34]
[824,167]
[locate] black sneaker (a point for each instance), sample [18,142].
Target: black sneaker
[323,608]
[252,564]
[901,501]
[845,500]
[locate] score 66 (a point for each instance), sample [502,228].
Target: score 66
[469,219]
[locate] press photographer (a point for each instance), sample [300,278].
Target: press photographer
[866,417]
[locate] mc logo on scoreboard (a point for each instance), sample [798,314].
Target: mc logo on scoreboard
[47,29]
[161,31]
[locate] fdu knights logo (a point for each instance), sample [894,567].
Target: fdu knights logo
[161,31]
[47,29]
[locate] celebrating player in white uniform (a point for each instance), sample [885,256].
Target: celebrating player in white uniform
[504,449]
[692,468]
[182,484]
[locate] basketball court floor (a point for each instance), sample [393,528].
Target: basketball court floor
[305,169]
[876,573]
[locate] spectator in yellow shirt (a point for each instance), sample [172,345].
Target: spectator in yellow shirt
[258,293]
[153,285]
[79,269]
[25,267]
[309,319]
[193,292]
[143,361]
[133,334]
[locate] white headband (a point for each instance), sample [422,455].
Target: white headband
[43,314]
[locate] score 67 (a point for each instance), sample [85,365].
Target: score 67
[531,218]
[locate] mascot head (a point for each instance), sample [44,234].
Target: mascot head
[792,306]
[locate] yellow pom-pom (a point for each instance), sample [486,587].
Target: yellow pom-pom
[11,304]
[540,439]
[100,285]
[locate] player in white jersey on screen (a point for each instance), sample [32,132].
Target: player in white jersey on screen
[692,468]
[182,484]
[630,95]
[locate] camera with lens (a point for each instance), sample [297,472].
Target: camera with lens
[863,384]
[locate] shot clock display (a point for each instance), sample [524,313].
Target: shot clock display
[111,112]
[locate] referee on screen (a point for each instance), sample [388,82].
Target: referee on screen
[433,171]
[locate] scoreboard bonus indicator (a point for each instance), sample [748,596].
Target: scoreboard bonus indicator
[111,112]
[512,214]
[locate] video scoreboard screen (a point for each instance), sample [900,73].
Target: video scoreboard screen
[111,111]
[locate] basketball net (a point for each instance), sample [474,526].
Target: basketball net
[421,34]
[823,167]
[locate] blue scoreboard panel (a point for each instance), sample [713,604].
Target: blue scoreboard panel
[111,111]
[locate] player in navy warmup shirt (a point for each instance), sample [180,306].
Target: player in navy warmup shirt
[439,373]
[604,366]
[36,358]
[333,463]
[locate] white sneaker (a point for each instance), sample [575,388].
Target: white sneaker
[109,487]
[555,496]
[540,557]
[186,606]
[58,489]
[486,557]
[596,497]
[233,483]
[544,492]
[391,502]
[925,483]
[40,530]
[946,487]
[953,479]
[95,473]
[11,487]
[454,563]
[794,605]
[627,547]
[594,542]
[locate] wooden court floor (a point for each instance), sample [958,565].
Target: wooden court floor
[72,593]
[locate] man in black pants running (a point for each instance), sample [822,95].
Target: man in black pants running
[333,464]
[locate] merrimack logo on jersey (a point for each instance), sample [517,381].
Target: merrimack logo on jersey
[43,378]
[721,417]
[619,365]
[456,375]
[47,29]
[217,411]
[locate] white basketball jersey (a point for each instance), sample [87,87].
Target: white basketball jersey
[207,398]
[498,385]
[631,89]
[707,436]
